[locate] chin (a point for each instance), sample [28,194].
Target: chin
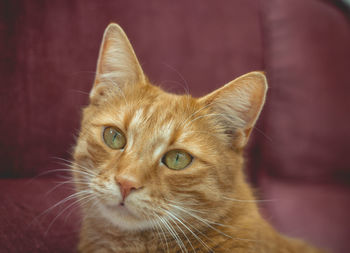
[126,220]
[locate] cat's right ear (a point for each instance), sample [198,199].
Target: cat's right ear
[117,65]
[237,105]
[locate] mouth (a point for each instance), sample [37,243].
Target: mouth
[124,216]
[122,209]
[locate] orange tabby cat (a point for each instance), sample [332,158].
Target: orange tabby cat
[158,172]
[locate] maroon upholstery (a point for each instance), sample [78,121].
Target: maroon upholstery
[304,166]
[307,64]
[29,220]
[298,153]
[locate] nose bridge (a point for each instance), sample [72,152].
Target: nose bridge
[129,168]
[136,160]
[128,172]
[128,176]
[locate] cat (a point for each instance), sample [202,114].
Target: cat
[159,172]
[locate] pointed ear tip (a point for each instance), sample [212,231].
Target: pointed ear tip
[113,28]
[113,25]
[258,74]
[261,76]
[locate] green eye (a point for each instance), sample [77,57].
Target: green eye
[177,159]
[114,138]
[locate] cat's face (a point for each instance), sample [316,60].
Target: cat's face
[147,156]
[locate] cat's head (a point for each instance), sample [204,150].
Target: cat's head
[145,156]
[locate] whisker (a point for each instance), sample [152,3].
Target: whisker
[72,196]
[173,233]
[263,134]
[193,114]
[172,217]
[174,82]
[72,182]
[206,222]
[249,200]
[161,228]
[187,208]
[71,164]
[156,227]
[202,116]
[79,91]
[81,204]
[182,221]
[72,204]
[186,87]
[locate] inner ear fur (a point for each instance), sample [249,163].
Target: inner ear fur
[237,105]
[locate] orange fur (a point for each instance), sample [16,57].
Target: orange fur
[205,207]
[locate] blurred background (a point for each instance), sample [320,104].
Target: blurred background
[298,156]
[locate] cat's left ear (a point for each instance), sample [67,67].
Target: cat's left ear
[117,65]
[237,105]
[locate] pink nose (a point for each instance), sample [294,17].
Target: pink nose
[127,186]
